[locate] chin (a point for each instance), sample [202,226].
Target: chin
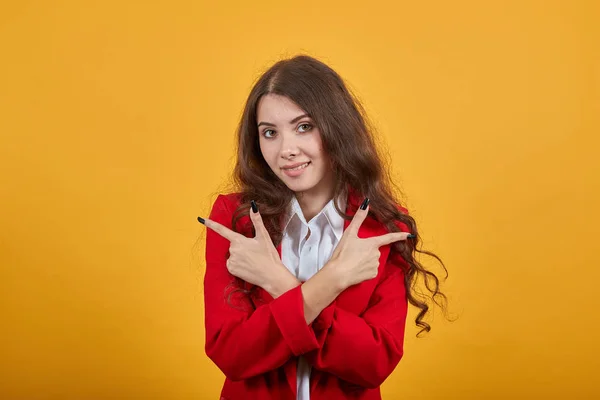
[298,186]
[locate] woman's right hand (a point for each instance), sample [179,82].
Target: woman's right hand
[356,260]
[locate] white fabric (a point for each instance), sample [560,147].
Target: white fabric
[304,257]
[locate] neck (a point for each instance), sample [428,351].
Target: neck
[312,203]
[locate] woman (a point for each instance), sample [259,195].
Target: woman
[309,265]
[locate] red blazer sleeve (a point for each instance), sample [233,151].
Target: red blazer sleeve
[247,342]
[365,349]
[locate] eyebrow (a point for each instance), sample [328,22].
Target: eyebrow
[298,118]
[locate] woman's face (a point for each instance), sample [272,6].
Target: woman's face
[288,137]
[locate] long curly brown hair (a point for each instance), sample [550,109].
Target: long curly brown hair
[348,139]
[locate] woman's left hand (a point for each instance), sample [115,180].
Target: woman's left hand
[255,260]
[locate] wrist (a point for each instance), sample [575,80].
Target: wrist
[281,282]
[335,277]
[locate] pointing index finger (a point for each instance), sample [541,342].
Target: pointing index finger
[221,230]
[390,238]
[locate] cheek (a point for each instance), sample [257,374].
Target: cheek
[321,154]
[317,145]
[264,149]
[269,153]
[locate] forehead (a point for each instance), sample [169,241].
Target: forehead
[276,108]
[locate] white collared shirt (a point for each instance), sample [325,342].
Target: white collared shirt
[304,257]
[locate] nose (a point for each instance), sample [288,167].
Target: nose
[289,145]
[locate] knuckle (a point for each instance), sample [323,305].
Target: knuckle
[373,272]
[231,268]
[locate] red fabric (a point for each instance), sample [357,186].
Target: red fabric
[353,345]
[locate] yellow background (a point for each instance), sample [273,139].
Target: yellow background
[117,122]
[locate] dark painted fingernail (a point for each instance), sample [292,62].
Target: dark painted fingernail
[410,236]
[201,220]
[364,204]
[254,207]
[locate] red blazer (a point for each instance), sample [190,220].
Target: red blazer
[353,345]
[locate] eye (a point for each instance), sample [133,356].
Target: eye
[266,132]
[304,127]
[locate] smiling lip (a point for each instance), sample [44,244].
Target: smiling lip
[294,165]
[293,173]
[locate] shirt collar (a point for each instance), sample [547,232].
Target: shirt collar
[335,220]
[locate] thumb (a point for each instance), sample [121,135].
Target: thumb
[359,217]
[259,226]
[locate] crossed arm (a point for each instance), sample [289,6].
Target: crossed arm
[302,319]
